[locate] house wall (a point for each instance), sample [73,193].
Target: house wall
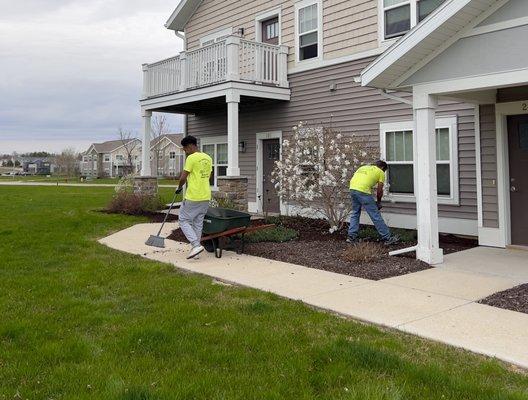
[511,10]
[351,109]
[164,164]
[349,26]
[488,151]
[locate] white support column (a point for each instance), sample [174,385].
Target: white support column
[425,184]
[145,144]
[233,58]
[233,100]
[183,71]
[282,66]
[146,81]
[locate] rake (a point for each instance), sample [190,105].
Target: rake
[158,240]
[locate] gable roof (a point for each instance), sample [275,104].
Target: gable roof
[175,138]
[108,147]
[182,14]
[430,37]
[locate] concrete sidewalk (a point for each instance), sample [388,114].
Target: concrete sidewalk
[438,304]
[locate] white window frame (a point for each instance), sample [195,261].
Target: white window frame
[320,50]
[172,155]
[276,12]
[215,36]
[214,140]
[449,122]
[106,158]
[381,18]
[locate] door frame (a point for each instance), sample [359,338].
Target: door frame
[275,12]
[260,137]
[502,112]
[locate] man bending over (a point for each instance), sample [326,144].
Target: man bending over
[361,185]
[195,174]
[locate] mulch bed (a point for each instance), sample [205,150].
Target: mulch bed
[317,248]
[515,299]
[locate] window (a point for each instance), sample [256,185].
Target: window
[271,29]
[172,155]
[119,157]
[107,158]
[216,148]
[399,16]
[397,147]
[308,23]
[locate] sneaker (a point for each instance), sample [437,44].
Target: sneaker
[195,251]
[351,240]
[394,239]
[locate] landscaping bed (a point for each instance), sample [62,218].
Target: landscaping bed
[315,247]
[514,299]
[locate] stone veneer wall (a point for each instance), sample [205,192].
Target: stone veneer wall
[234,190]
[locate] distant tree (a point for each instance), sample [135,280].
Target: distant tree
[66,162]
[129,142]
[9,163]
[160,127]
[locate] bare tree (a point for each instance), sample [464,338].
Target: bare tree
[66,162]
[160,127]
[130,143]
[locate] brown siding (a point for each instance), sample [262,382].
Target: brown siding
[488,150]
[348,26]
[351,109]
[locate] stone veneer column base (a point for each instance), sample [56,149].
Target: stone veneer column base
[146,185]
[233,189]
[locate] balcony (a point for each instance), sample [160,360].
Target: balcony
[232,70]
[232,59]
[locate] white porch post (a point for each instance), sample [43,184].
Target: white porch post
[146,81]
[233,56]
[233,100]
[183,71]
[145,144]
[282,66]
[425,183]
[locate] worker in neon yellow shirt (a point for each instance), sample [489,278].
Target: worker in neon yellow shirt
[361,184]
[196,174]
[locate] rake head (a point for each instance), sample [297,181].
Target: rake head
[156,241]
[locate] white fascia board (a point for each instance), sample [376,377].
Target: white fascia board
[408,42]
[182,14]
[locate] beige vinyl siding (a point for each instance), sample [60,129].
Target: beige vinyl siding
[488,150]
[353,110]
[348,26]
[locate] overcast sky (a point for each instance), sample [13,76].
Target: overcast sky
[70,70]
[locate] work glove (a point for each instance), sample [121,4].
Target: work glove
[179,190]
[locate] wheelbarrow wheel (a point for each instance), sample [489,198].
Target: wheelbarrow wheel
[210,245]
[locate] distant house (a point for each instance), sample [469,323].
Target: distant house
[167,156]
[112,158]
[37,166]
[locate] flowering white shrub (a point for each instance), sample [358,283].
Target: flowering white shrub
[315,170]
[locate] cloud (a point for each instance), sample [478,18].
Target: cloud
[73,68]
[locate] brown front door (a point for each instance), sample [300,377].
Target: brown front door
[518,154]
[270,30]
[270,154]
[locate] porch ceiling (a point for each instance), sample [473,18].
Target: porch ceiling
[433,35]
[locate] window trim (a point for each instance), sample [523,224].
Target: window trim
[320,49]
[276,12]
[449,122]
[381,19]
[214,140]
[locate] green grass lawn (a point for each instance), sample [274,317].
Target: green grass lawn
[62,179]
[81,321]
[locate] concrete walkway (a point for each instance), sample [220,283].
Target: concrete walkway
[438,304]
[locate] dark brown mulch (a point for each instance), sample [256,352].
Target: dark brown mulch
[317,248]
[515,299]
[326,255]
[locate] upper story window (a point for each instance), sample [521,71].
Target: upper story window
[107,158]
[309,21]
[172,155]
[399,16]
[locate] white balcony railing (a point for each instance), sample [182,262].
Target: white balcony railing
[231,59]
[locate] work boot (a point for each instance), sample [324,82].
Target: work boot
[351,240]
[394,239]
[195,251]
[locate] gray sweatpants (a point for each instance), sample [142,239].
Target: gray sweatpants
[191,219]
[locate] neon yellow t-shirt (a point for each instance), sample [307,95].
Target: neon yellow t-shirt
[199,166]
[366,177]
